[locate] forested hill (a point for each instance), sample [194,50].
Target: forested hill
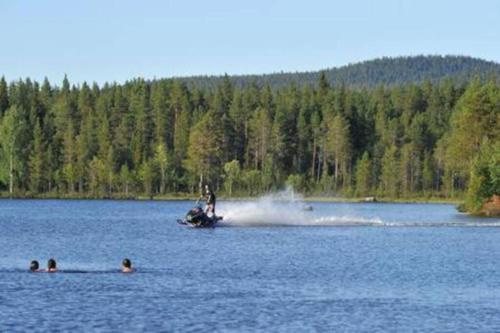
[387,71]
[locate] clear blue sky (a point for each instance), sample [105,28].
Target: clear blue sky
[117,40]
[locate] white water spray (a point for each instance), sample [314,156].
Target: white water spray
[284,208]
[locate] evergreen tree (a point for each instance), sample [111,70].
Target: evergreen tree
[485,178]
[36,160]
[4,96]
[474,123]
[232,174]
[159,107]
[143,131]
[259,140]
[11,131]
[181,106]
[161,161]
[304,132]
[205,153]
[338,147]
[363,175]
[316,139]
[125,179]
[389,183]
[69,172]
[239,120]
[96,172]
[146,175]
[428,173]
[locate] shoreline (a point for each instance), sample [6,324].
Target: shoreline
[187,197]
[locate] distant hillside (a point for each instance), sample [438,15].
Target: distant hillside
[388,71]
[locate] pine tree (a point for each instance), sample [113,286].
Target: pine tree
[316,139]
[304,132]
[4,96]
[159,108]
[223,128]
[146,175]
[125,179]
[485,178]
[232,174]
[363,175]
[239,120]
[284,132]
[474,123]
[409,164]
[338,146]
[69,173]
[324,87]
[428,173]
[161,161]
[81,161]
[181,106]
[11,132]
[201,150]
[259,138]
[36,160]
[270,174]
[143,130]
[389,183]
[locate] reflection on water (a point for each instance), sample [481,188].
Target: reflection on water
[428,273]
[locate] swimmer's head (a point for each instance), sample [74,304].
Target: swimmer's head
[126,263]
[51,264]
[34,266]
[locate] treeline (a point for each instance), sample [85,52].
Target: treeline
[369,74]
[161,137]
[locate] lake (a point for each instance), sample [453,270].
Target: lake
[270,266]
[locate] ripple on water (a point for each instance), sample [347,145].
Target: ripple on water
[248,279]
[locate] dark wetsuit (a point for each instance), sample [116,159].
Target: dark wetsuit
[210,196]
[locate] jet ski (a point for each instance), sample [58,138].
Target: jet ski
[197,218]
[307,208]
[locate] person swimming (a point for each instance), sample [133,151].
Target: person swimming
[34,266]
[51,266]
[127,266]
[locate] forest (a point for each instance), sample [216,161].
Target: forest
[165,137]
[389,71]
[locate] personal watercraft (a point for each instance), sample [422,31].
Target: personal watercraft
[197,218]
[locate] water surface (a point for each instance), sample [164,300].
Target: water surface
[341,267]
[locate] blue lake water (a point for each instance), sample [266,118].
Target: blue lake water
[269,267]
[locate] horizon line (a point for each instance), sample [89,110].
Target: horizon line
[230,75]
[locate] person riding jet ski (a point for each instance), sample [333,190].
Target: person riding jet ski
[210,201]
[199,218]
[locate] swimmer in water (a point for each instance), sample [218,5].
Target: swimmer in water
[127,266]
[51,266]
[34,266]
